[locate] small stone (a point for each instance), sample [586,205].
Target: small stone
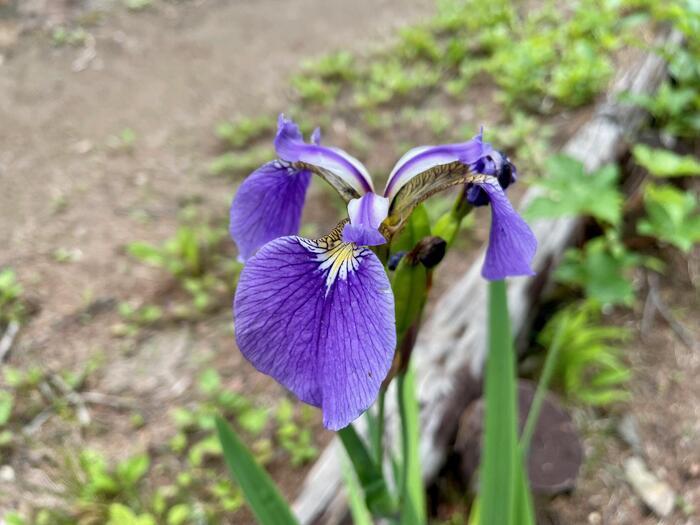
[7,474]
[628,430]
[656,494]
[694,470]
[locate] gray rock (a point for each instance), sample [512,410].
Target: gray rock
[655,493]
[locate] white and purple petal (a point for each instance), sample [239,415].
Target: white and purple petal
[366,214]
[290,146]
[512,245]
[419,160]
[267,205]
[318,316]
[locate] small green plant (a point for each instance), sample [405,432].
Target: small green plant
[240,162]
[125,140]
[295,440]
[122,515]
[137,5]
[570,191]
[602,269]
[665,163]
[333,67]
[244,131]
[12,307]
[136,317]
[582,73]
[95,485]
[63,36]
[589,368]
[672,216]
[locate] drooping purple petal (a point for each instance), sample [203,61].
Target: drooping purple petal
[267,205]
[512,244]
[421,159]
[290,146]
[366,214]
[318,316]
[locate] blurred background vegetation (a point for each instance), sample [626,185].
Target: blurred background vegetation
[529,73]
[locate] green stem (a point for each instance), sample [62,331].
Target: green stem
[411,483]
[377,443]
[546,376]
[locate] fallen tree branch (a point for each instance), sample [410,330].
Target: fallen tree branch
[8,339]
[450,352]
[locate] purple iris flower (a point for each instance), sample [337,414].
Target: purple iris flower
[318,315]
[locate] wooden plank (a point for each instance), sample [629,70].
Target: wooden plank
[450,352]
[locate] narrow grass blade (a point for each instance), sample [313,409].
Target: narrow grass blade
[358,509]
[413,510]
[550,364]
[500,440]
[258,488]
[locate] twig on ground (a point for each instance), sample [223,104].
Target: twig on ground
[74,398]
[681,331]
[7,339]
[648,314]
[36,423]
[98,398]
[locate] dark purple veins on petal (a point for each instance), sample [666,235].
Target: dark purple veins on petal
[267,205]
[329,340]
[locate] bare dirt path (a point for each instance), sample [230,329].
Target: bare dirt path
[169,73]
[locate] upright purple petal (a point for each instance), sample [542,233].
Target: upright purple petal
[318,316]
[366,214]
[267,205]
[290,146]
[512,244]
[424,158]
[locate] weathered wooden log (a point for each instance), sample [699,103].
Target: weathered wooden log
[450,352]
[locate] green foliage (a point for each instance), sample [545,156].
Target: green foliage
[136,317]
[121,515]
[7,400]
[672,216]
[589,367]
[193,256]
[64,36]
[665,163]
[676,105]
[294,439]
[186,254]
[338,66]
[243,162]
[582,73]
[601,269]
[12,306]
[137,5]
[244,131]
[570,191]
[314,90]
[260,491]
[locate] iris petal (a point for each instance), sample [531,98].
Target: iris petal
[512,245]
[366,214]
[419,160]
[267,205]
[341,170]
[318,316]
